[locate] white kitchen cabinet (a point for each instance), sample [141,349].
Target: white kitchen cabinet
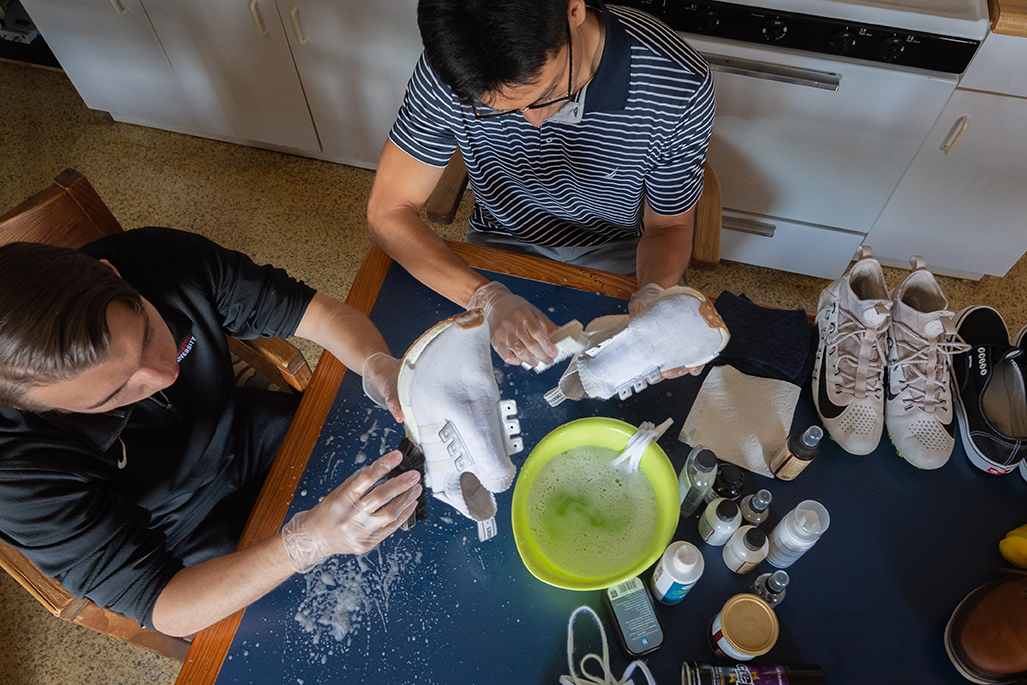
[354,59]
[234,63]
[110,52]
[965,211]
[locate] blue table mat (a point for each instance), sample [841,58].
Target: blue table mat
[869,602]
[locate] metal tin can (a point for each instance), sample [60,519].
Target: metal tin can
[744,629]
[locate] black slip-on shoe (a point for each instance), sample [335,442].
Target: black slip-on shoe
[990,395]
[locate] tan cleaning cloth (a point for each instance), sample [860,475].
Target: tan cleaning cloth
[744,419]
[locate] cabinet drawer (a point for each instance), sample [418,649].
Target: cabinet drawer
[787,245]
[998,66]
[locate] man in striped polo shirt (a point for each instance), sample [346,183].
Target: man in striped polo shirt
[584,129]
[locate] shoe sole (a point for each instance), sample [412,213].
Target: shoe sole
[469,319]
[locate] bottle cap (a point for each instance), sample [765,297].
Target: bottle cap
[755,539]
[811,519]
[729,479]
[777,581]
[727,510]
[705,460]
[760,501]
[813,436]
[685,559]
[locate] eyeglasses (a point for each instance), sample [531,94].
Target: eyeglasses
[489,112]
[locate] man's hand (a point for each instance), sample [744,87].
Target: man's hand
[642,299]
[355,517]
[380,378]
[520,332]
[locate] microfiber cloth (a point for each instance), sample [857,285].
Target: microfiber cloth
[743,419]
[766,342]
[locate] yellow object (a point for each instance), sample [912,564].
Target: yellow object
[614,435]
[1014,547]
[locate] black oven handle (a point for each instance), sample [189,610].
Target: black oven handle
[811,78]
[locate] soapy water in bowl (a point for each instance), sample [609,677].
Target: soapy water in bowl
[589,518]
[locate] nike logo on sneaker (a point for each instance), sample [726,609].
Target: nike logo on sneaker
[828,409]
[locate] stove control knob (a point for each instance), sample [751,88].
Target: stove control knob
[891,48]
[707,20]
[843,41]
[774,30]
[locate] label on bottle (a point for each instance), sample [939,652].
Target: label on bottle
[786,465]
[738,674]
[666,589]
[782,554]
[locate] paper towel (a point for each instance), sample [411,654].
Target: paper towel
[744,419]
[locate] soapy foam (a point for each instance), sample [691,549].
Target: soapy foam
[589,518]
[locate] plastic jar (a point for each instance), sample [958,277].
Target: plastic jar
[744,629]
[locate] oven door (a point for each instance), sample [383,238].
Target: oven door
[811,142]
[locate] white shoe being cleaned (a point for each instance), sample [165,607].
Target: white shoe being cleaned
[453,412]
[625,354]
[848,378]
[921,341]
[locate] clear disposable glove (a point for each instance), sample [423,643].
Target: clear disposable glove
[642,299]
[355,517]
[519,331]
[380,374]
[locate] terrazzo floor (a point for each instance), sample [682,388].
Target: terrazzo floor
[305,215]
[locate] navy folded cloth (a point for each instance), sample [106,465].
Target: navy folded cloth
[765,342]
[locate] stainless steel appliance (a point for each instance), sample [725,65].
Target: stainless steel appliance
[821,106]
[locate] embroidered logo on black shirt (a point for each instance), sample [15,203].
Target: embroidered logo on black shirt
[186,348]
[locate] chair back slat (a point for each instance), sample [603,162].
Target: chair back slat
[69,213]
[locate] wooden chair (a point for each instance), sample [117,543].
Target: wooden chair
[70,214]
[442,205]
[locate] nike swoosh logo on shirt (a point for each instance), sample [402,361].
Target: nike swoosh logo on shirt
[828,409]
[123,462]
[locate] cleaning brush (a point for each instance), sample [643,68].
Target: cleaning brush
[569,341]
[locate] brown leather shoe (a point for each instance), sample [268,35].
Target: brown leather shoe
[986,638]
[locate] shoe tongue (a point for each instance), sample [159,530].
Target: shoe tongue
[1012,353]
[875,313]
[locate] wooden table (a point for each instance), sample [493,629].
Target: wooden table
[869,602]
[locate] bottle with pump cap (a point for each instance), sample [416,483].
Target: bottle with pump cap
[678,571]
[728,483]
[797,532]
[770,587]
[696,478]
[797,453]
[719,521]
[755,508]
[746,548]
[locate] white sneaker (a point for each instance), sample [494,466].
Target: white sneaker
[848,377]
[625,354]
[453,412]
[921,341]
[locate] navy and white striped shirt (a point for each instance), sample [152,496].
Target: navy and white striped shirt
[643,136]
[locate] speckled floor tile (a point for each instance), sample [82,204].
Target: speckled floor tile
[305,215]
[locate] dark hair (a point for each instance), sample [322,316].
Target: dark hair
[484,46]
[53,316]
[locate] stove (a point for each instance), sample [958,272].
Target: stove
[936,35]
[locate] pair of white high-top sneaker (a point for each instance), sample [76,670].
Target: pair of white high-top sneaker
[884,358]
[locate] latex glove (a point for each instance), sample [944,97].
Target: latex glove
[355,517]
[519,331]
[641,300]
[380,374]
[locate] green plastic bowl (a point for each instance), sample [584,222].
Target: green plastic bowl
[614,435]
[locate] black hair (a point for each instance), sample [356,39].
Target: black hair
[53,316]
[478,47]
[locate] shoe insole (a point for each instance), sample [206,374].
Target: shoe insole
[1005,400]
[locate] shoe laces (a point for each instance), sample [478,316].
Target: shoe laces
[924,360]
[857,343]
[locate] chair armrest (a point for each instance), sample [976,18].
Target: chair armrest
[277,359]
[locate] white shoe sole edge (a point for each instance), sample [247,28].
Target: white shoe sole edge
[976,457]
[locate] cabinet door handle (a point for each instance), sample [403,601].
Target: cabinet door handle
[119,8]
[255,11]
[963,122]
[296,25]
[737,223]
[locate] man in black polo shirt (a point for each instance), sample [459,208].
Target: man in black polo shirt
[584,129]
[129,461]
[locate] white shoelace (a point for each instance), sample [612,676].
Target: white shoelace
[637,443]
[925,362]
[865,368]
[607,677]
